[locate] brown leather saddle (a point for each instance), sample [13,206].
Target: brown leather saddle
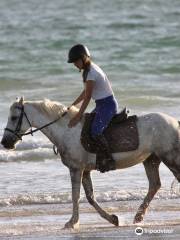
[121,134]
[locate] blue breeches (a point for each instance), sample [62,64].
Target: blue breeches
[105,109]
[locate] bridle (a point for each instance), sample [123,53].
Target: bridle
[17,131]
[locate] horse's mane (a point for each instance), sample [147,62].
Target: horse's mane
[54,109]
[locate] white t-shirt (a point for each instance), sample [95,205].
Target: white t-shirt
[102,87]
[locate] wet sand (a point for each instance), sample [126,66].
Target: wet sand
[105,233]
[46,221]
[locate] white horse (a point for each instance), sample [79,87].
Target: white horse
[159,140]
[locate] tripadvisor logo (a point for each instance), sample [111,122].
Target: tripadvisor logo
[139,231]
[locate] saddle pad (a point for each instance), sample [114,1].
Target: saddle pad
[122,136]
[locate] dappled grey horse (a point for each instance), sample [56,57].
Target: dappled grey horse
[159,140]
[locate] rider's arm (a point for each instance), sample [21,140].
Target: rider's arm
[87,96]
[79,99]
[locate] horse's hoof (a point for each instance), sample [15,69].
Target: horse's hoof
[138,218]
[70,225]
[115,220]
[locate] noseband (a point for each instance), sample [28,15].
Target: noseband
[17,131]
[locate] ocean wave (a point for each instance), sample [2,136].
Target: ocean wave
[37,154]
[63,198]
[29,150]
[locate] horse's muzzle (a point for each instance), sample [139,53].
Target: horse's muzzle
[8,143]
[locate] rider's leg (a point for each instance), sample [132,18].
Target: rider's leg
[104,148]
[105,110]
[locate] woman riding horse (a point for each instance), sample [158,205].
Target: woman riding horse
[98,87]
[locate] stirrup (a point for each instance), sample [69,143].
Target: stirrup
[107,166]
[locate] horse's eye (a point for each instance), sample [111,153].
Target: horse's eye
[13,118]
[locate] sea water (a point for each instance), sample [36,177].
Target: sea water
[137,45]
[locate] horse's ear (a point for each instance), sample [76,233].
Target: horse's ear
[21,101]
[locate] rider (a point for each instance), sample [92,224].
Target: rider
[96,86]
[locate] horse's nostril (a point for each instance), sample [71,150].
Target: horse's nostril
[3,141]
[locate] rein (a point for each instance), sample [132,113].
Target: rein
[18,127]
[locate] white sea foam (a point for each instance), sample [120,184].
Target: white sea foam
[106,196]
[30,149]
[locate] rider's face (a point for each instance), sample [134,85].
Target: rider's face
[79,64]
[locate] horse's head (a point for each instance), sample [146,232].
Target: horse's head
[16,125]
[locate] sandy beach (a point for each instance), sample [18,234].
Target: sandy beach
[103,233]
[46,221]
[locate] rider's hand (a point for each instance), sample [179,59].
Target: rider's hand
[75,120]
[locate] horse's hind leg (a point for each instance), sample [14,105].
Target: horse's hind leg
[151,165]
[173,163]
[88,187]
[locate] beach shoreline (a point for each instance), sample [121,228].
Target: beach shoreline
[122,232]
[46,221]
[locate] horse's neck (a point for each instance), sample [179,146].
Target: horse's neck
[37,119]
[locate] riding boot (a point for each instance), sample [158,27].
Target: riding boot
[104,159]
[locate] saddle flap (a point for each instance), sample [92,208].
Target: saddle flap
[121,134]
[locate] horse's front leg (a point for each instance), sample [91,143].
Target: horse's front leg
[76,178]
[88,187]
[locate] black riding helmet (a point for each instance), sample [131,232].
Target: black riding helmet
[76,52]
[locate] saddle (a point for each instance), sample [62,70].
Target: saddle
[121,134]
